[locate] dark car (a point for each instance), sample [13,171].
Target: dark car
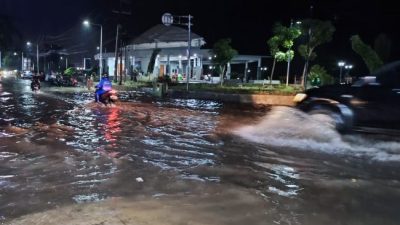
[371,102]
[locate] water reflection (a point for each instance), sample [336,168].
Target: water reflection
[59,149]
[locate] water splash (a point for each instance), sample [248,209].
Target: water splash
[291,128]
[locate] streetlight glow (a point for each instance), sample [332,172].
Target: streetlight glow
[340,64]
[28,43]
[87,23]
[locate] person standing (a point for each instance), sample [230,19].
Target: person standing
[89,82]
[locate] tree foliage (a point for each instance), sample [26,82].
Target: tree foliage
[318,76]
[317,33]
[370,57]
[281,43]
[70,71]
[223,54]
[152,61]
[284,37]
[11,61]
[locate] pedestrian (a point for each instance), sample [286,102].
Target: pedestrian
[89,82]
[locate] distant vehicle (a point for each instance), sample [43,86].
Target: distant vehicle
[64,81]
[372,103]
[26,74]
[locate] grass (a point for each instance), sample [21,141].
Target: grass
[242,89]
[227,88]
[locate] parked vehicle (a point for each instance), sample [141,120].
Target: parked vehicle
[372,102]
[26,74]
[64,81]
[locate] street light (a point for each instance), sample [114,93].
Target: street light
[87,23]
[84,63]
[29,44]
[348,68]
[340,64]
[168,19]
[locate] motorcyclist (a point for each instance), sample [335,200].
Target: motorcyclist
[104,86]
[35,82]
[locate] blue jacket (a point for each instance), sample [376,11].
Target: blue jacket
[104,85]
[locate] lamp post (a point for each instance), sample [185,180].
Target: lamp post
[168,19]
[340,64]
[87,23]
[84,63]
[289,56]
[264,69]
[348,68]
[37,53]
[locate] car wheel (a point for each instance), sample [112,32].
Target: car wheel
[332,118]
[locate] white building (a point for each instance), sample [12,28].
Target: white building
[172,43]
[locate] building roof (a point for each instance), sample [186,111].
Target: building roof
[162,33]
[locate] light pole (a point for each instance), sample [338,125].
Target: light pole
[84,63]
[87,23]
[168,20]
[289,56]
[37,54]
[340,64]
[264,69]
[348,68]
[66,61]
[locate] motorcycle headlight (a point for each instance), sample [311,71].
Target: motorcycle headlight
[299,97]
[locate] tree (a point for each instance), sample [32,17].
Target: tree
[153,57]
[370,57]
[70,71]
[223,53]
[318,76]
[318,32]
[282,42]
[11,61]
[273,44]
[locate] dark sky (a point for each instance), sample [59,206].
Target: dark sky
[247,22]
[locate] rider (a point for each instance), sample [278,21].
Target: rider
[104,86]
[35,81]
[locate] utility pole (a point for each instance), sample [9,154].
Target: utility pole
[305,72]
[37,57]
[168,19]
[22,61]
[121,11]
[289,59]
[120,67]
[116,55]
[189,49]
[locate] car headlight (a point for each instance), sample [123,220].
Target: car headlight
[299,97]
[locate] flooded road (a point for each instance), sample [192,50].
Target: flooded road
[65,160]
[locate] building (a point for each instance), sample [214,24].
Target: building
[170,44]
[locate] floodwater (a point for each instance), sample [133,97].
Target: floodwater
[65,160]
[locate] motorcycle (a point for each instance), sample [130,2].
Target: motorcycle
[35,86]
[109,97]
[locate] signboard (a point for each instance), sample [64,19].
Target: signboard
[167,19]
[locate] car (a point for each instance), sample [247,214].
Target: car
[371,103]
[27,75]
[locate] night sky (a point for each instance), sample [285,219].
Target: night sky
[247,22]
